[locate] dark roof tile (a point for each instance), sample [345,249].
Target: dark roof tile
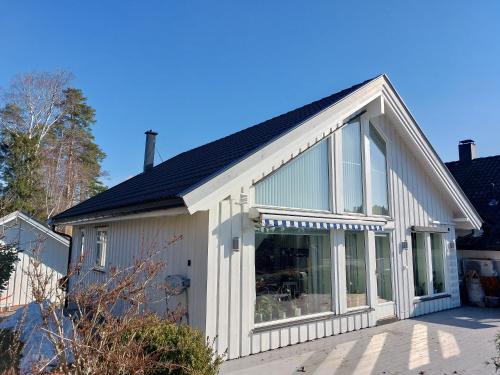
[480,181]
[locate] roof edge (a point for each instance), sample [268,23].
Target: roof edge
[119,212]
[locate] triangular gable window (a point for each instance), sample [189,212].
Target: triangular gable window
[301,183]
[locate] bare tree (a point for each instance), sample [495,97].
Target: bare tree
[33,103]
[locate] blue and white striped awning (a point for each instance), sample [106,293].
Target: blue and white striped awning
[319,225]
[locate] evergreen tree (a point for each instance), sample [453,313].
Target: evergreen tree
[8,259]
[72,159]
[19,165]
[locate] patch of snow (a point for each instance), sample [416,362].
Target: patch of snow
[37,347]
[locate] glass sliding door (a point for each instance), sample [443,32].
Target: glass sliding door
[352,167]
[292,273]
[383,267]
[355,257]
[419,264]
[438,282]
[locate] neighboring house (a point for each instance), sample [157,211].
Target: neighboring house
[479,178]
[36,242]
[330,218]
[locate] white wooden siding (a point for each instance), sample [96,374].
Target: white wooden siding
[414,200]
[53,256]
[126,240]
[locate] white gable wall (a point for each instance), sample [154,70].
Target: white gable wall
[415,199]
[51,252]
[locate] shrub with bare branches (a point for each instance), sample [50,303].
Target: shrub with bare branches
[107,328]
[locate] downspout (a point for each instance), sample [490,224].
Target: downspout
[65,278]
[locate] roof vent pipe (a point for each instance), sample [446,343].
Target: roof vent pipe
[467,150]
[149,151]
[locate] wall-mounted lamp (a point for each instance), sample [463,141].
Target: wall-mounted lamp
[236,243]
[451,245]
[404,245]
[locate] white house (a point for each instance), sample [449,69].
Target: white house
[479,177]
[29,236]
[330,218]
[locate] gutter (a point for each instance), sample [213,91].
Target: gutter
[70,250]
[101,215]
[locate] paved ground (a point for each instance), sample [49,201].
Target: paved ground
[458,341]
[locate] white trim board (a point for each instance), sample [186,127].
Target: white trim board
[19,215]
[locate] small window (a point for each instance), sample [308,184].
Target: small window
[352,167]
[82,244]
[378,168]
[355,254]
[101,247]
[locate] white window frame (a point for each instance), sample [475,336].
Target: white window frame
[366,131]
[428,254]
[392,262]
[368,266]
[333,273]
[82,244]
[337,165]
[340,166]
[100,258]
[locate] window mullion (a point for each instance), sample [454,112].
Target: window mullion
[428,248]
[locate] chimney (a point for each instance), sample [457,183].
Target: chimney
[149,152]
[467,150]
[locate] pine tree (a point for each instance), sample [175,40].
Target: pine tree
[19,165]
[8,259]
[72,159]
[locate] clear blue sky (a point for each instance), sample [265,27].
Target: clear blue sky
[196,71]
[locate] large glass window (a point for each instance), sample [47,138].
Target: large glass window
[437,263]
[378,169]
[355,255]
[352,167]
[292,273]
[383,267]
[302,183]
[419,264]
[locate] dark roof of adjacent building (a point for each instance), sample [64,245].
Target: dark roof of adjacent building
[480,181]
[164,185]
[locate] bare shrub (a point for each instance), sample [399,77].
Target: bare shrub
[102,331]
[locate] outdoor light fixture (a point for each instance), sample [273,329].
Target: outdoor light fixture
[236,244]
[404,245]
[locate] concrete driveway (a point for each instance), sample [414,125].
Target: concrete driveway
[458,341]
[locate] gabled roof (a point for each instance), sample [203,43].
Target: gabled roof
[480,181]
[166,183]
[34,223]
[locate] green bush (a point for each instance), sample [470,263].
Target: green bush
[181,346]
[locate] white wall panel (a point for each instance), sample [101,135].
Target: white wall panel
[128,238]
